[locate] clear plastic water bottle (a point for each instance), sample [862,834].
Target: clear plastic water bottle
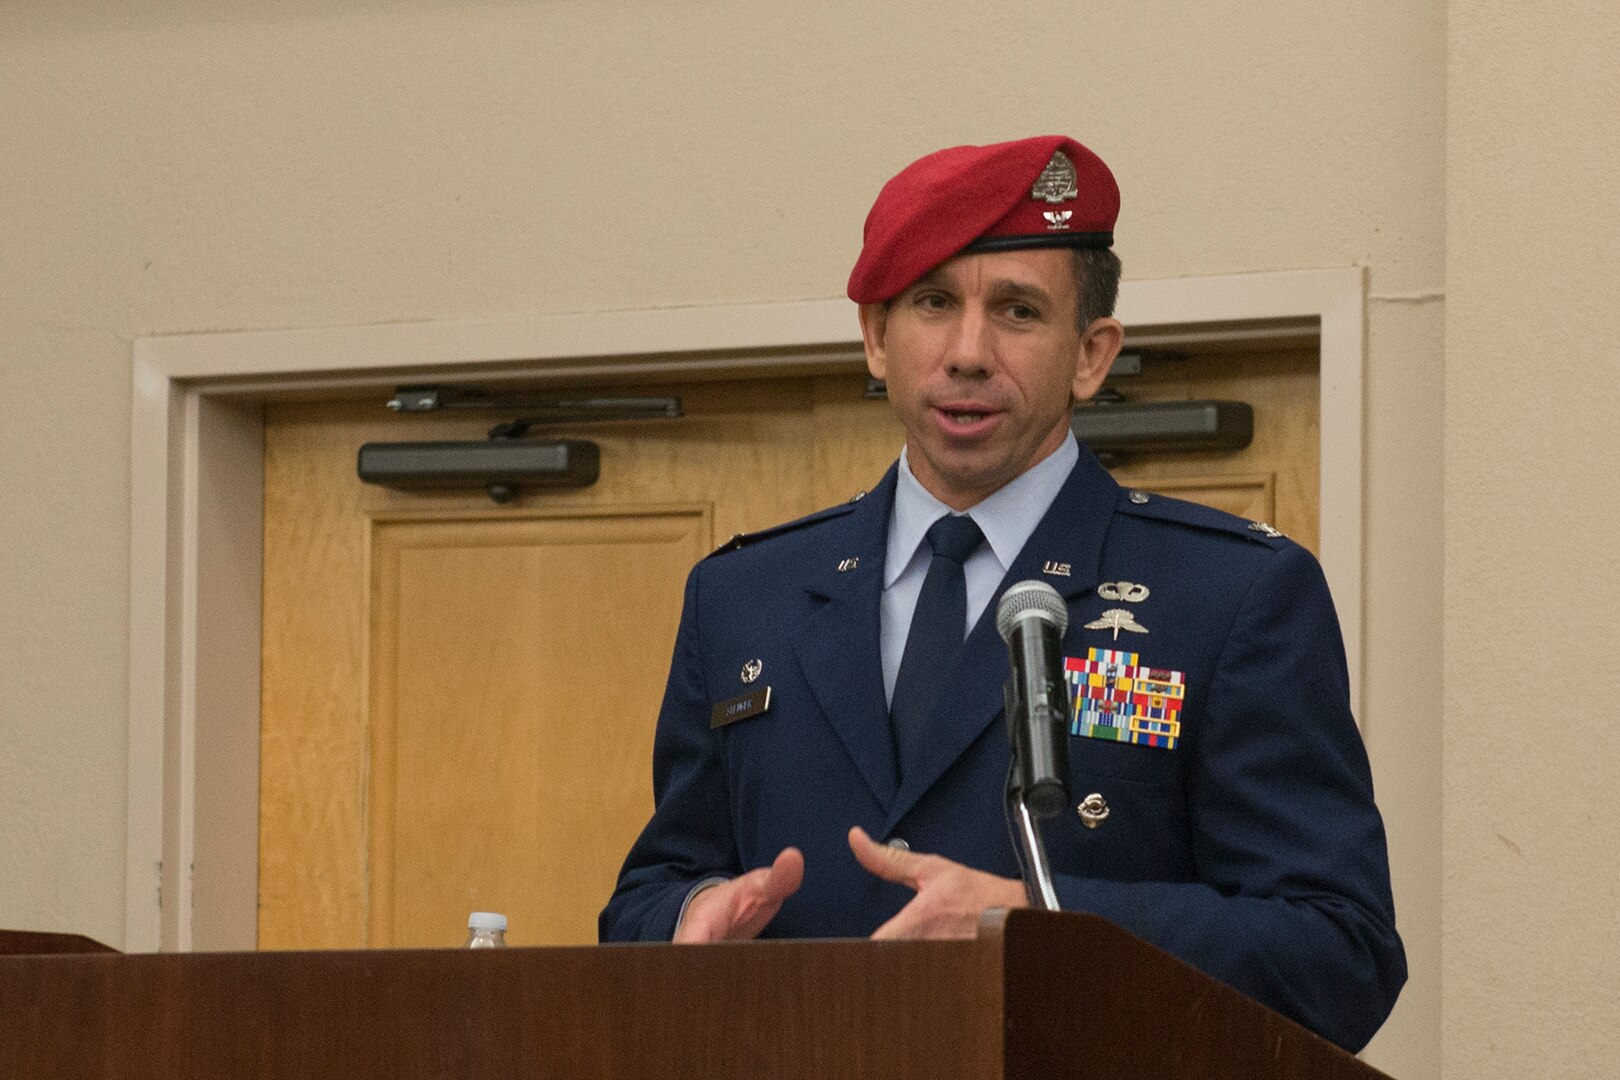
[486,930]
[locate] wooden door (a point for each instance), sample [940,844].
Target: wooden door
[1275,480]
[459,698]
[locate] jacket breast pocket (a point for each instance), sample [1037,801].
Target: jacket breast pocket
[1124,761]
[1129,830]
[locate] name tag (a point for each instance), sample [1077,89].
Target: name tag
[740,708]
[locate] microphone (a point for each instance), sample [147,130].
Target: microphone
[1031,618]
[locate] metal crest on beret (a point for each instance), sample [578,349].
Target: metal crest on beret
[1057,182]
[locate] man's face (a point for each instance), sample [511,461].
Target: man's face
[983,359]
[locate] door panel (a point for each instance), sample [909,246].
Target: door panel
[508,717]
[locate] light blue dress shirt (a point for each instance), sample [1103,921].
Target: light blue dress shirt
[1007,518]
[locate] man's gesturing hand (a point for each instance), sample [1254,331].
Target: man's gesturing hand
[950,897]
[741,907]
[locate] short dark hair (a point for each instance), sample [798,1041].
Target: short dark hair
[1096,272]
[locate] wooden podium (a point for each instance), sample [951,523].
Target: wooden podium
[1035,995]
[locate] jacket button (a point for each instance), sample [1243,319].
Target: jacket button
[898,844]
[1093,810]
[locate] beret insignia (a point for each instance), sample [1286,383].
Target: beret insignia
[1057,181]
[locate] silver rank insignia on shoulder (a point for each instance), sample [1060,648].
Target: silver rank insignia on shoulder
[1117,619]
[1269,530]
[1057,182]
[1127,591]
[1057,220]
[1056,569]
[751,670]
[846,565]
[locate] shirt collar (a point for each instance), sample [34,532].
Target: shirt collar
[1007,517]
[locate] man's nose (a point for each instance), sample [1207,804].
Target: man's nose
[969,351]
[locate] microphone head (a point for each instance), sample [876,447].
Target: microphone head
[1030,600]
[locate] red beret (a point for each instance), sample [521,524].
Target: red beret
[1048,191]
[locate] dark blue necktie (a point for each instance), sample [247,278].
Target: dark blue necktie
[938,626]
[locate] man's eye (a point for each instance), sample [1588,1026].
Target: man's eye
[931,301]
[1022,312]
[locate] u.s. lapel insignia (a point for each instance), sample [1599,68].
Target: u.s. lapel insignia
[1127,591]
[751,670]
[1117,619]
[846,565]
[1056,569]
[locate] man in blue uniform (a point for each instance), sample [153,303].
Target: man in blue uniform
[831,755]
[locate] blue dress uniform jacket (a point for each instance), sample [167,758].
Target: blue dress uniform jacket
[1252,849]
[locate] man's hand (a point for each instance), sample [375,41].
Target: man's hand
[950,897]
[741,907]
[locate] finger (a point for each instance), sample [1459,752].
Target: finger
[785,876]
[763,892]
[890,864]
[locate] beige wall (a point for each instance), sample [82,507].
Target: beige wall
[1532,588]
[223,166]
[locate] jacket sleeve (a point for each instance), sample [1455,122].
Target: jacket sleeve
[689,838]
[1292,902]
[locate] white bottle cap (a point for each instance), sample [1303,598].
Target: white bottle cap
[486,920]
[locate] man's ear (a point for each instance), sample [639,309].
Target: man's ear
[1099,346]
[874,319]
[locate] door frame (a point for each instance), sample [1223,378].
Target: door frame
[196,515]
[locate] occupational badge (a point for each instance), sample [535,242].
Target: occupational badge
[1117,619]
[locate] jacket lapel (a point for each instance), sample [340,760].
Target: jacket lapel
[1070,534]
[838,646]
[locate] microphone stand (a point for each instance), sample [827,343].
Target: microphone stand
[1023,825]
[1031,850]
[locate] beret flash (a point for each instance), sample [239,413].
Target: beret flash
[1048,191]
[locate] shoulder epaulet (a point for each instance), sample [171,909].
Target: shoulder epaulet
[742,540]
[1164,508]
